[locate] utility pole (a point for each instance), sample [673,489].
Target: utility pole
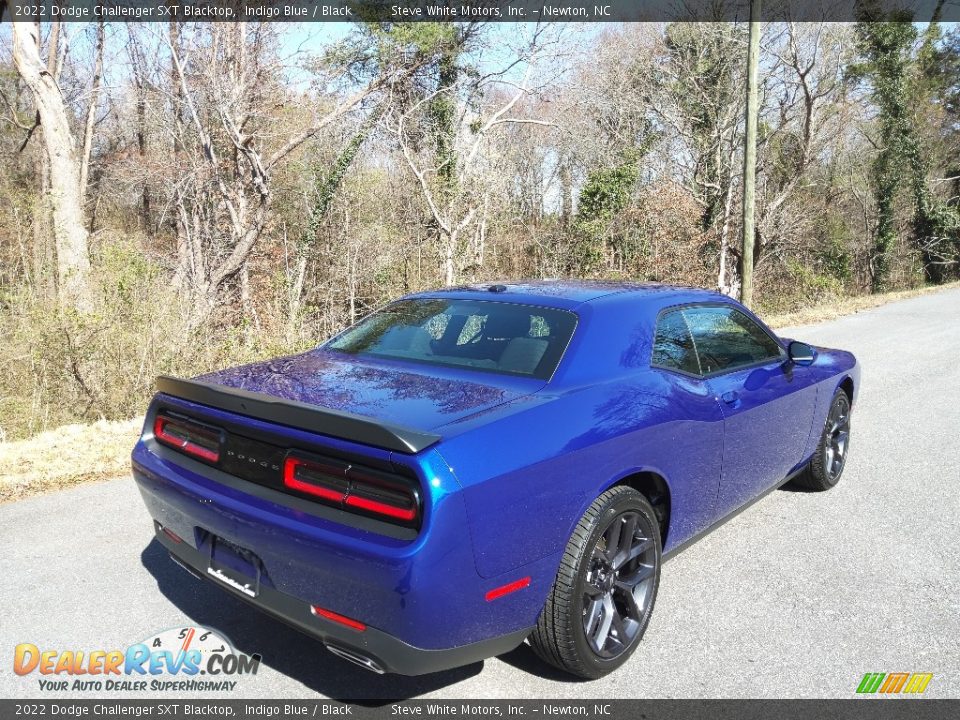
[750,157]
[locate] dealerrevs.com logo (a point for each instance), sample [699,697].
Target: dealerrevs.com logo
[188,659]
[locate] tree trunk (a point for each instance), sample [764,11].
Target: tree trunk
[142,150]
[449,266]
[91,113]
[750,158]
[69,229]
[566,194]
[726,276]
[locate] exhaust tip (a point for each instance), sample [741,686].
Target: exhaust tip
[357,659]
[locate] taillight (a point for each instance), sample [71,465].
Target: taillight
[317,479]
[191,439]
[380,499]
[370,493]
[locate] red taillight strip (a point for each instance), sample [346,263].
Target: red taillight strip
[337,618]
[190,448]
[356,489]
[363,503]
[508,588]
[290,480]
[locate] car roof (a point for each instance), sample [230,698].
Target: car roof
[567,293]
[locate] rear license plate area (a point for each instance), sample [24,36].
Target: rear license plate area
[234,566]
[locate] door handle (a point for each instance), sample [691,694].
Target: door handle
[730,397]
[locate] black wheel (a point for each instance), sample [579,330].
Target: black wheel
[603,595]
[828,461]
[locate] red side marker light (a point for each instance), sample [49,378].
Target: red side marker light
[172,535]
[508,588]
[337,618]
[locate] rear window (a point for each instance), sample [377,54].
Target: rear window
[486,335]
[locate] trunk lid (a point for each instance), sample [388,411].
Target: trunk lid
[421,397]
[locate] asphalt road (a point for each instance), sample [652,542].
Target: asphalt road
[797,597]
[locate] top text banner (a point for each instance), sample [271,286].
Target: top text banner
[475,10]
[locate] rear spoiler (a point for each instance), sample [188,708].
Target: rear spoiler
[335,423]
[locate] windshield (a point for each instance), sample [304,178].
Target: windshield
[487,335]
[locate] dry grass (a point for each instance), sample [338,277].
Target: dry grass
[848,306]
[66,456]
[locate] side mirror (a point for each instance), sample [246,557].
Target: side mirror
[801,354]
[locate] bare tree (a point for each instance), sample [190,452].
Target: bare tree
[69,228]
[452,182]
[229,146]
[91,110]
[804,89]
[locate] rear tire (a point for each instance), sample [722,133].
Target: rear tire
[602,598]
[830,458]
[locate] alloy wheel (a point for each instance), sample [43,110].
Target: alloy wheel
[619,584]
[838,437]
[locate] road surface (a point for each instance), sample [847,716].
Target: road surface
[797,597]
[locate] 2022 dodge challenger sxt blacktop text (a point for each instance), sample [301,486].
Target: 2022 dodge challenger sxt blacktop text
[469,468]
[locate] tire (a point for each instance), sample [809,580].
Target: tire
[830,458]
[592,587]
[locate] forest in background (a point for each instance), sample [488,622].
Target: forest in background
[179,197]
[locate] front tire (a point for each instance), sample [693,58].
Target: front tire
[602,598]
[828,461]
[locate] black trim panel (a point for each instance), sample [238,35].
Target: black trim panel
[335,423]
[389,653]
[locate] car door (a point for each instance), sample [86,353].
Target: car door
[693,442]
[767,401]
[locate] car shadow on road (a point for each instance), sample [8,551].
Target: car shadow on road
[523,658]
[795,488]
[282,648]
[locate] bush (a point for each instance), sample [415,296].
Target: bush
[62,367]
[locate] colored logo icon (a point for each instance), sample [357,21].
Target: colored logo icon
[894,683]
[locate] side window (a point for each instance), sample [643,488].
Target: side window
[672,344]
[725,338]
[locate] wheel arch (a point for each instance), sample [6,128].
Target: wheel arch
[847,386]
[655,488]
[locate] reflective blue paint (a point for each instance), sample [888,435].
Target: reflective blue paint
[519,462]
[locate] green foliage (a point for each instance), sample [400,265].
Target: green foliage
[832,254]
[604,195]
[442,115]
[607,191]
[398,44]
[900,83]
[887,49]
[327,180]
[367,236]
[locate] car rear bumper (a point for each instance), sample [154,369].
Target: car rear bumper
[370,648]
[421,599]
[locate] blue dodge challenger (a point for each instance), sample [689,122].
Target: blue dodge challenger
[472,468]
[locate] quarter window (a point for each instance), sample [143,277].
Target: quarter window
[673,345]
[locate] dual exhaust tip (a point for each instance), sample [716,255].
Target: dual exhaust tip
[356,658]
